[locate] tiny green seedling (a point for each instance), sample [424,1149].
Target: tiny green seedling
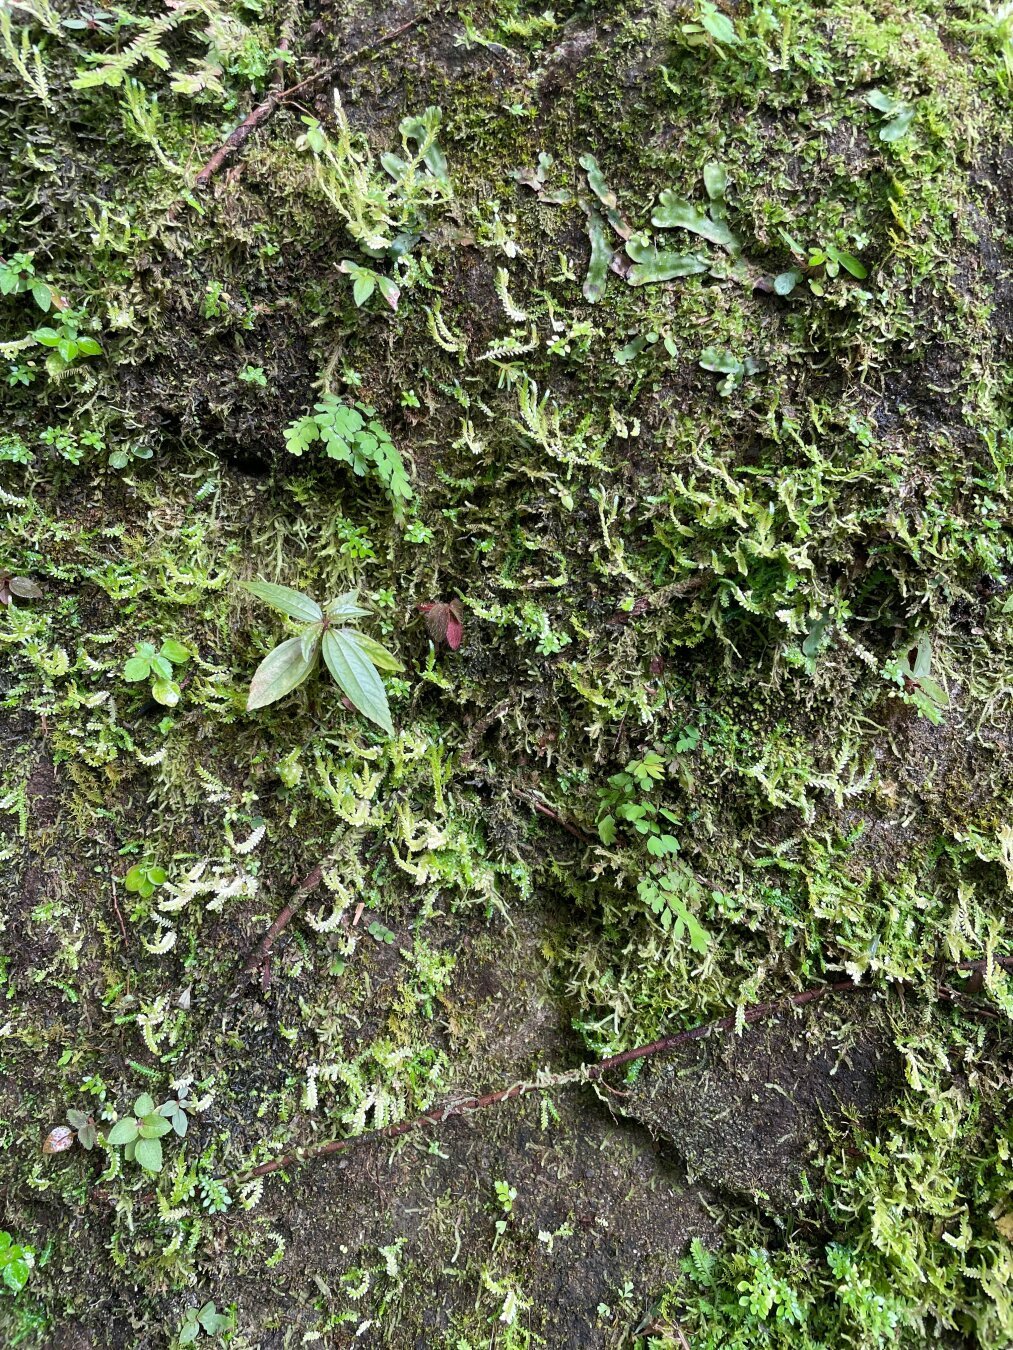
[365,281]
[817,263]
[897,115]
[143,878]
[147,662]
[734,370]
[207,1319]
[140,1134]
[352,658]
[16,1263]
[712,28]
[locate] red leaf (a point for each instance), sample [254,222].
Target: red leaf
[59,1140]
[445,622]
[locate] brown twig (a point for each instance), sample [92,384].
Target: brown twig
[544,809]
[116,907]
[586,1073]
[238,138]
[258,959]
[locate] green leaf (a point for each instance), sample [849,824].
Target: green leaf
[145,1103]
[377,653]
[157,876]
[848,261]
[88,347]
[49,337]
[189,1331]
[279,673]
[363,287]
[166,692]
[135,878]
[356,675]
[607,830]
[898,127]
[123,1132]
[285,600]
[389,291]
[153,1126]
[137,668]
[300,435]
[174,651]
[345,606]
[717,24]
[148,1154]
[77,1120]
[653,266]
[715,180]
[675,212]
[309,637]
[785,282]
[161,667]
[882,101]
[601,256]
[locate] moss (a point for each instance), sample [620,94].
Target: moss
[733,581]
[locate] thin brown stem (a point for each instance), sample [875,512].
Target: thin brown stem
[258,958]
[586,1073]
[238,138]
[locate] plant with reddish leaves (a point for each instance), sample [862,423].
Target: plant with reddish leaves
[444,622]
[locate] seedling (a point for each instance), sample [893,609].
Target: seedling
[712,29]
[123,454]
[352,658]
[16,1263]
[898,115]
[140,1134]
[158,666]
[207,1319]
[17,275]
[66,339]
[444,622]
[819,262]
[365,281]
[143,878]
[912,672]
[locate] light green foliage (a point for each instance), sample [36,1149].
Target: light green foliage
[158,665]
[205,1319]
[16,1263]
[380,214]
[352,658]
[898,115]
[143,879]
[140,1134]
[762,639]
[346,435]
[667,887]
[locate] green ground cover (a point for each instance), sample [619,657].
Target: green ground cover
[645,371]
